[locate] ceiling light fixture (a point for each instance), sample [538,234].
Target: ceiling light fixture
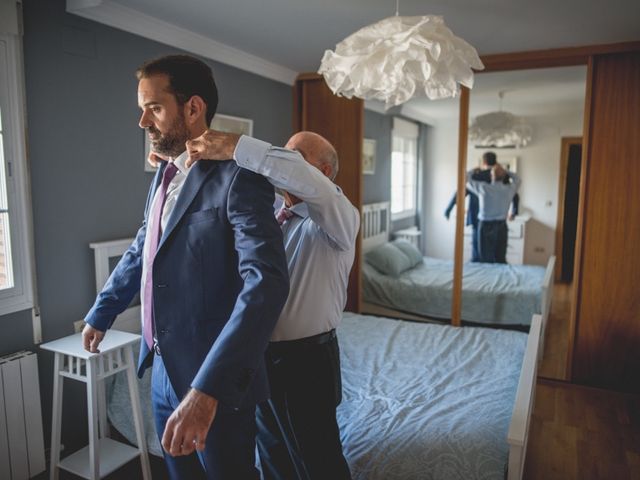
[500,130]
[398,58]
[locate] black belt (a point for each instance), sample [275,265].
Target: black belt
[319,339]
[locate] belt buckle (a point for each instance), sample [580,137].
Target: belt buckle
[326,337]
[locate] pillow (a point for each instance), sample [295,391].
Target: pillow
[388,260]
[410,250]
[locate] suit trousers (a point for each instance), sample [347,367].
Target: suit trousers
[229,452]
[475,247]
[493,241]
[298,434]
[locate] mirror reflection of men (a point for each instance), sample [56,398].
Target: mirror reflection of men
[494,199]
[483,174]
[210,266]
[298,435]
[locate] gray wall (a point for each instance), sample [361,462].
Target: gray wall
[377,187]
[86,163]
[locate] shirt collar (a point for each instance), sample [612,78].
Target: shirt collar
[180,163]
[301,209]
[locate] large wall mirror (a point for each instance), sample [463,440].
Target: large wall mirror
[547,108]
[411,178]
[544,109]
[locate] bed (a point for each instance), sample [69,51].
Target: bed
[492,294]
[426,401]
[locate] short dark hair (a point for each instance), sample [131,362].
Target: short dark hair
[188,76]
[489,158]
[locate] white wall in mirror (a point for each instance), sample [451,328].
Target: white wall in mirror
[552,101]
[539,168]
[440,178]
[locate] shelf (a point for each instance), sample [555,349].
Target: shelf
[112,456]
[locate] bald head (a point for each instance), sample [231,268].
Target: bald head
[317,151]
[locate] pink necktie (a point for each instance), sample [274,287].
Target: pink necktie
[283,215]
[154,238]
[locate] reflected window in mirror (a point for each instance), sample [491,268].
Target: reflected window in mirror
[404,169]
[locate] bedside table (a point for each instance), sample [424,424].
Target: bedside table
[103,455]
[411,235]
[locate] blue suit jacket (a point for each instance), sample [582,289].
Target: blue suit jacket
[220,281]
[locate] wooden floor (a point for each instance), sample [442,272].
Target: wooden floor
[554,360]
[583,433]
[578,432]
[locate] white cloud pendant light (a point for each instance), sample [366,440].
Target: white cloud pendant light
[500,129]
[398,58]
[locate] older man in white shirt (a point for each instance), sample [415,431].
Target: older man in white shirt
[495,199]
[298,435]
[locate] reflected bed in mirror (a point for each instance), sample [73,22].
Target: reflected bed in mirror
[550,101]
[495,295]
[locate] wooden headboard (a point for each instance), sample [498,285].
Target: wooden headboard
[375,225]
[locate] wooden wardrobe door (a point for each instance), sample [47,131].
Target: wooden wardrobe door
[317,109]
[607,337]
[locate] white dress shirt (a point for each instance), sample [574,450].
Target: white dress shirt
[319,240]
[173,191]
[495,197]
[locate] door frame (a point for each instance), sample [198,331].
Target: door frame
[567,142]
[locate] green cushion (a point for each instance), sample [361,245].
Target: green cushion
[410,250]
[388,260]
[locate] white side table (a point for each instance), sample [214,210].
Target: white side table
[411,235]
[103,455]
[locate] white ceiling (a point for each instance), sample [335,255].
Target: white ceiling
[277,38]
[547,91]
[295,33]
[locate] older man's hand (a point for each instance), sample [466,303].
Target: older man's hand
[189,424]
[212,145]
[497,172]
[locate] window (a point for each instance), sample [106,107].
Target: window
[16,287]
[404,169]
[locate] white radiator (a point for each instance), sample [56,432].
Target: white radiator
[21,437]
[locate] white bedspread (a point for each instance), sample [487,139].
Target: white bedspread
[492,293]
[424,401]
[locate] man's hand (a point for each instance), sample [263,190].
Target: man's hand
[212,145]
[91,338]
[188,425]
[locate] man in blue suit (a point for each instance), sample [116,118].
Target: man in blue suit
[210,266]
